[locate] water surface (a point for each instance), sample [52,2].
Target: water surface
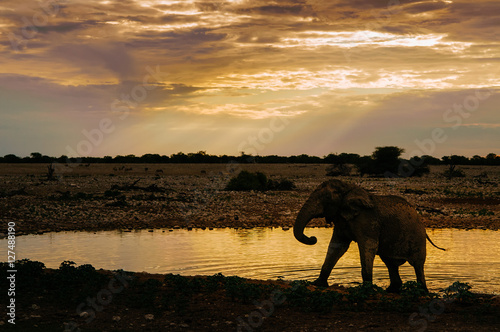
[263,253]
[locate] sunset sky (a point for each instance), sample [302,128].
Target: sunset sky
[279,77]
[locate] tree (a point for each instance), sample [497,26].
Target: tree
[151,158]
[455,160]
[365,165]
[36,157]
[416,166]
[179,157]
[11,158]
[477,160]
[430,160]
[386,160]
[492,159]
[340,164]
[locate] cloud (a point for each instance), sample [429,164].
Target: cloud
[344,70]
[65,27]
[114,57]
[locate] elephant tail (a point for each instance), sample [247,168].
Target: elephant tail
[428,238]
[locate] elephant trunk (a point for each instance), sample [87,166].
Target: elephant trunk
[308,212]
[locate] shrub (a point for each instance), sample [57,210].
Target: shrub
[413,290]
[311,301]
[283,184]
[359,294]
[238,289]
[416,166]
[28,273]
[258,181]
[338,170]
[248,181]
[452,172]
[459,291]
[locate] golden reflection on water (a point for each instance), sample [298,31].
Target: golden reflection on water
[263,253]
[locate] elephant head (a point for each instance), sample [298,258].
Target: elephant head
[335,201]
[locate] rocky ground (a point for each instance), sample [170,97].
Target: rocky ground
[109,196]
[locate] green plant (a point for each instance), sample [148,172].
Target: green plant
[297,295]
[459,291]
[178,292]
[28,273]
[322,302]
[311,301]
[213,283]
[149,292]
[413,290]
[238,289]
[70,283]
[359,294]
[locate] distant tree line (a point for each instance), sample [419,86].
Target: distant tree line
[383,159]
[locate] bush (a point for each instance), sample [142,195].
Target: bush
[311,300]
[359,294]
[338,170]
[248,181]
[28,273]
[459,291]
[238,289]
[413,290]
[416,166]
[454,173]
[258,181]
[280,185]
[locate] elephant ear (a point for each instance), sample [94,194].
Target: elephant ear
[354,202]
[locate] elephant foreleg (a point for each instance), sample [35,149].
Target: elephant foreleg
[336,249]
[367,251]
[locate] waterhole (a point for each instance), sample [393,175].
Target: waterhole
[263,253]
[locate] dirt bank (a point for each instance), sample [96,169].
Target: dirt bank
[82,298]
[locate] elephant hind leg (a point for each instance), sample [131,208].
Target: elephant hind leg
[419,272]
[393,267]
